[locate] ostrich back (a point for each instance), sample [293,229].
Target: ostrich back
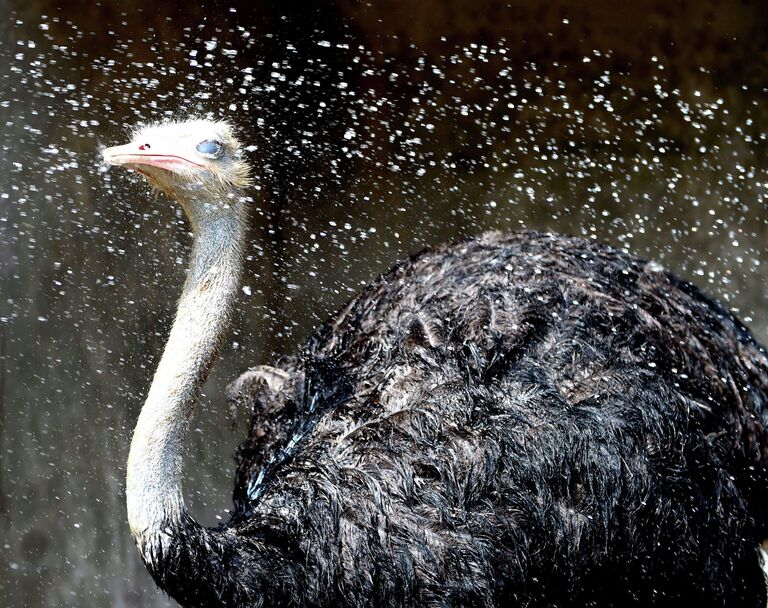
[527,420]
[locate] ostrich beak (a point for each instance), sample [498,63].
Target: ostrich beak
[135,155]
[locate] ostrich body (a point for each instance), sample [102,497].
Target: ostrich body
[524,420]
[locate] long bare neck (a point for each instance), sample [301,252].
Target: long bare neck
[154,489]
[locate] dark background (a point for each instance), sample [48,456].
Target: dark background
[376,128]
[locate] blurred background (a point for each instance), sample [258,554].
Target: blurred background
[375,128]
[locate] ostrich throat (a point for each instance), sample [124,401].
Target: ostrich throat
[154,484]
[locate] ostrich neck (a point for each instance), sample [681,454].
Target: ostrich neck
[154,492]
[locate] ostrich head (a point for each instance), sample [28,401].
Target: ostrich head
[197,162]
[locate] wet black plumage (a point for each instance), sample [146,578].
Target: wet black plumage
[526,420]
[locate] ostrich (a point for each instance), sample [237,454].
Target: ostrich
[511,420]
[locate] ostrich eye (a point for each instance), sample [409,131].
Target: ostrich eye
[209,147]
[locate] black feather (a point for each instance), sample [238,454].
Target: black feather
[526,420]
